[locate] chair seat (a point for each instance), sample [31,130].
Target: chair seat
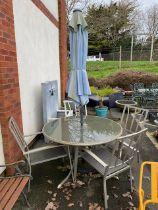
[47,155]
[104,155]
[10,190]
[40,143]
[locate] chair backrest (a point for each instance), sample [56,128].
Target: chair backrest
[155,85]
[84,111]
[15,130]
[71,108]
[131,87]
[153,184]
[132,116]
[123,153]
[137,86]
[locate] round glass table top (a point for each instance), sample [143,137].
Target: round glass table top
[95,131]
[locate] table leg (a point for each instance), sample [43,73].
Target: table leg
[73,171]
[65,180]
[75,163]
[70,172]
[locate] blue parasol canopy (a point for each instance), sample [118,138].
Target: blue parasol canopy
[78,86]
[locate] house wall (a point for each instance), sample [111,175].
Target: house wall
[53,8]
[10,70]
[37,44]
[2,162]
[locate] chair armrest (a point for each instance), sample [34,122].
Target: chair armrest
[13,164]
[42,148]
[33,134]
[15,176]
[62,109]
[131,134]
[95,157]
[149,124]
[18,172]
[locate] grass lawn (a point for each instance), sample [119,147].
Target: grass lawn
[99,69]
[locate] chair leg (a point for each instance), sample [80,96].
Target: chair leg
[138,156]
[29,171]
[131,180]
[26,200]
[105,194]
[65,180]
[142,207]
[29,183]
[71,165]
[70,172]
[75,163]
[28,188]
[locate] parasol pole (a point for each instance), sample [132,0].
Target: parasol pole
[81,115]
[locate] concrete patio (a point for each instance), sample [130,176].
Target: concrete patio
[87,194]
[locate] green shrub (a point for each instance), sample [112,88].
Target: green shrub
[124,79]
[102,92]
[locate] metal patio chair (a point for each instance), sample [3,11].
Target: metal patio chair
[155,85]
[143,199]
[149,98]
[137,94]
[131,117]
[43,153]
[110,163]
[138,86]
[71,108]
[132,120]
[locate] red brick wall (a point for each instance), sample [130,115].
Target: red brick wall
[9,81]
[63,46]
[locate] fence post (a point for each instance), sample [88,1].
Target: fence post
[152,46]
[131,56]
[100,56]
[120,57]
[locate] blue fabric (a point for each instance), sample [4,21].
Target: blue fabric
[78,85]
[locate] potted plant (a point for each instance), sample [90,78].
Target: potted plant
[101,110]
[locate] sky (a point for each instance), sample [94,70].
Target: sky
[144,3]
[147,3]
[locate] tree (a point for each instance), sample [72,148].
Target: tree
[148,25]
[152,19]
[110,25]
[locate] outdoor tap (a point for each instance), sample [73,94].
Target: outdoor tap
[52,90]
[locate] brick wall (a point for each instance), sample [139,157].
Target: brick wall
[9,81]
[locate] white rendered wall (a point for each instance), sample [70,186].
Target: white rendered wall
[1,153]
[37,43]
[52,6]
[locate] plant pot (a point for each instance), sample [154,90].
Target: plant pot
[101,111]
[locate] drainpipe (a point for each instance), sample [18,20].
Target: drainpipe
[63,46]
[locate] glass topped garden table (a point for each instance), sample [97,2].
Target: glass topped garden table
[68,131]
